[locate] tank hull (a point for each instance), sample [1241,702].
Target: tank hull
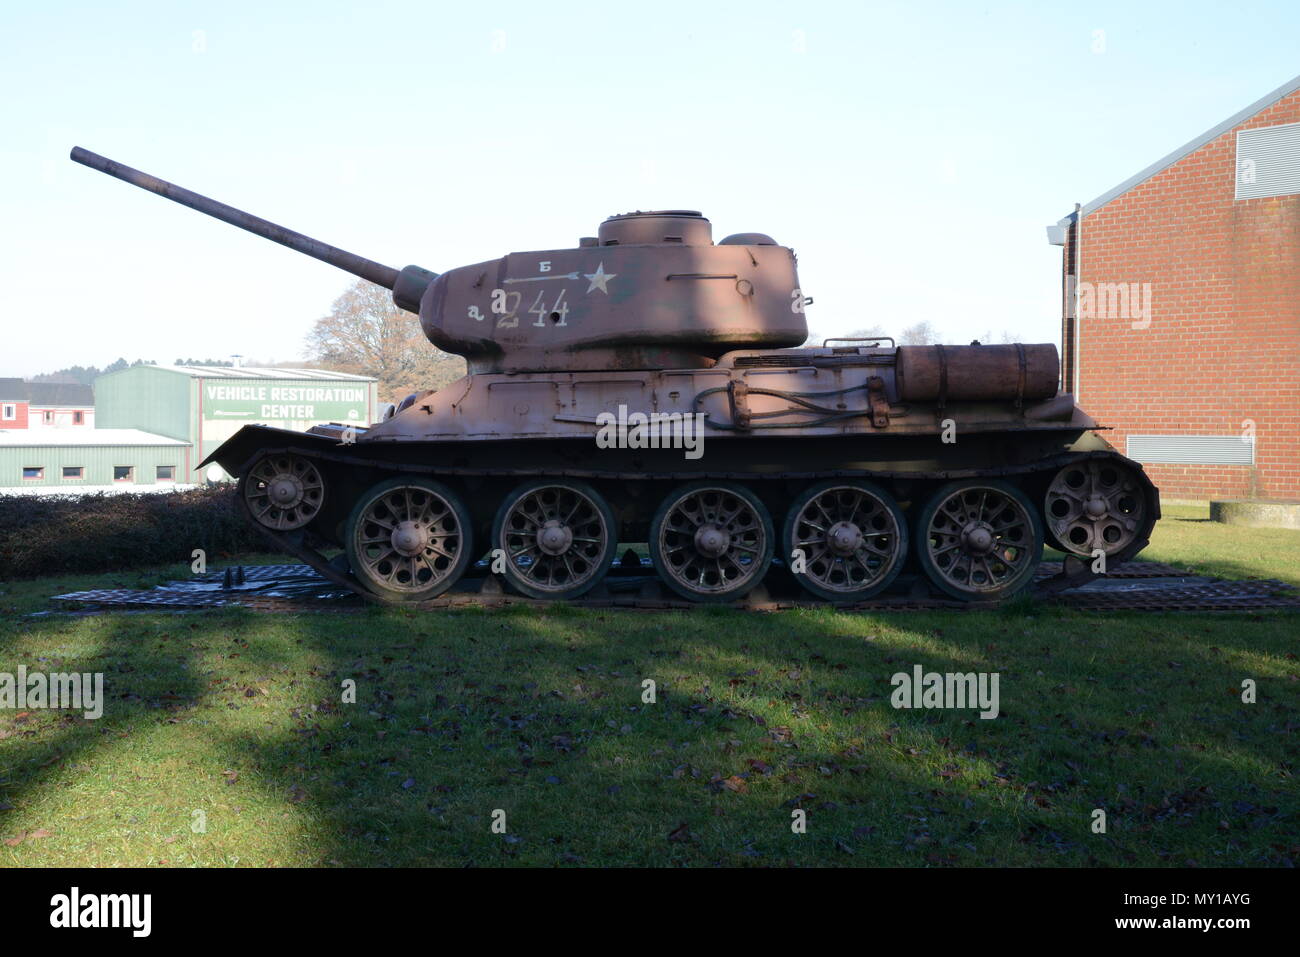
[909,467]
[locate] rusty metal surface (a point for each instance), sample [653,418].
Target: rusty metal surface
[377,273]
[328,451]
[615,307]
[806,395]
[607,305]
[652,318]
[977,373]
[610,307]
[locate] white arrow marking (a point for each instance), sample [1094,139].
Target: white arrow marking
[569,275]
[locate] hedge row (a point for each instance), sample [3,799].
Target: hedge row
[48,535]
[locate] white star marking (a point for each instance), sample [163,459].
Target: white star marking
[599,279]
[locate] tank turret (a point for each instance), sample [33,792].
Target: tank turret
[650,291]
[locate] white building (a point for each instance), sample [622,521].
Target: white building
[58,405]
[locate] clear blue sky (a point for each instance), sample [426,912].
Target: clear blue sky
[911,153]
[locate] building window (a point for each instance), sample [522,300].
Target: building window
[48,416]
[76,418]
[33,473]
[74,471]
[10,411]
[166,473]
[123,473]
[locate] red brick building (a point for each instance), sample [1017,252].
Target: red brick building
[1181,309]
[13,404]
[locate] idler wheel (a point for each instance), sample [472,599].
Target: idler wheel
[559,538]
[408,539]
[979,540]
[1095,504]
[711,541]
[851,539]
[283,492]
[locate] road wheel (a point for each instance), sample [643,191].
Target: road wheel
[283,491]
[558,538]
[979,540]
[711,541]
[1095,504]
[409,539]
[851,539]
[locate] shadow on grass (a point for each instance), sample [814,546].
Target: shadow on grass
[539,714]
[146,682]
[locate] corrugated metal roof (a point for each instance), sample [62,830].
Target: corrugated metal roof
[31,438]
[44,395]
[258,372]
[1286,89]
[13,390]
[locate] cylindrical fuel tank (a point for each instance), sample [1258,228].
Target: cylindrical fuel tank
[977,373]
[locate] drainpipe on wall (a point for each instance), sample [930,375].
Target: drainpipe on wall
[1073,298]
[1066,235]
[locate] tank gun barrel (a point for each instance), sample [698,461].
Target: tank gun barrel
[377,273]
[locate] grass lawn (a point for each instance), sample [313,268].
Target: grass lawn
[459,714]
[1187,538]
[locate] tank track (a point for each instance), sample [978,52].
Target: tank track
[1074,571]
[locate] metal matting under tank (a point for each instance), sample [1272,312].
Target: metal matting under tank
[1136,586]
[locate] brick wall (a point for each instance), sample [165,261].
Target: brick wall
[1223,344]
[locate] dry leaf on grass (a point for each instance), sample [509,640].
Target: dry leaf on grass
[681,833]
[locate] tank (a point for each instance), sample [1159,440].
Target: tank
[652,386]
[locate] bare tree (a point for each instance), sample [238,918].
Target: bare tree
[816,338]
[921,334]
[868,333]
[1004,337]
[367,335]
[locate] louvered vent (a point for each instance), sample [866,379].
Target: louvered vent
[1191,449]
[1268,161]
